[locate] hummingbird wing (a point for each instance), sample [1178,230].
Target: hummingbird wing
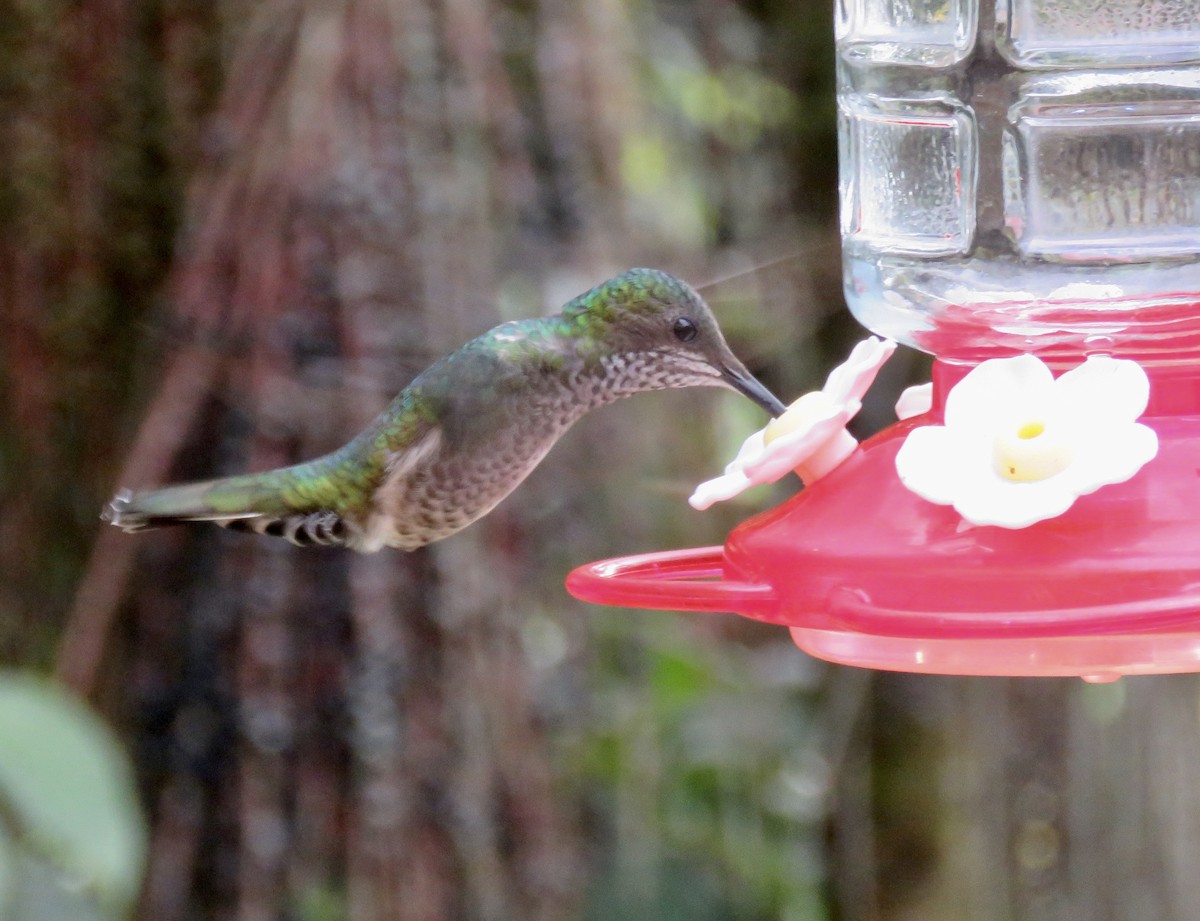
[465,433]
[330,501]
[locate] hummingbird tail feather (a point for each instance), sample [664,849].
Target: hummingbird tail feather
[132,511]
[242,503]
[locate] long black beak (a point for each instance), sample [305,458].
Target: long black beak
[744,382]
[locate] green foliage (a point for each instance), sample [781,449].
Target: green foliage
[712,773]
[736,104]
[320,902]
[72,842]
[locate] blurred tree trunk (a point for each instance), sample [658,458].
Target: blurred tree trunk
[413,736]
[367,167]
[99,105]
[323,733]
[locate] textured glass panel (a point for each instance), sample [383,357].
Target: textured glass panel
[909,177]
[935,33]
[1093,33]
[1111,174]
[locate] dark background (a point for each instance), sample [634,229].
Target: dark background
[230,232]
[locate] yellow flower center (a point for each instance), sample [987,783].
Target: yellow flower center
[801,414]
[1031,451]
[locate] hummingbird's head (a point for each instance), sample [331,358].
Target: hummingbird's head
[659,329]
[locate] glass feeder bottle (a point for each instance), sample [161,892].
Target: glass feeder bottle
[1023,175]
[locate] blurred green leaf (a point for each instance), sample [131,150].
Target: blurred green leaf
[321,902]
[678,680]
[68,801]
[42,895]
[8,858]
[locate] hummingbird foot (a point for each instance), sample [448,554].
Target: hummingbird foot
[314,529]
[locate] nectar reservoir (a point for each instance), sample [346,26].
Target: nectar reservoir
[1022,175]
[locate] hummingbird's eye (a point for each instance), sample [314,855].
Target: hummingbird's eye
[685,330]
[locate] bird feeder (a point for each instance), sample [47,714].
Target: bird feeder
[1020,183]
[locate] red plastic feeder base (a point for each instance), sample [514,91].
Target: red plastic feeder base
[864,572]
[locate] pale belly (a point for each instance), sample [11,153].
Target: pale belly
[453,491]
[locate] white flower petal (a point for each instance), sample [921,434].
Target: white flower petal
[996,389]
[915,401]
[752,449]
[851,379]
[1014,505]
[1109,388]
[1111,456]
[718,490]
[929,464]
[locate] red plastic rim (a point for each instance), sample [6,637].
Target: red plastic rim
[671,580]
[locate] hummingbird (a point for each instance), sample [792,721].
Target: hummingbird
[472,426]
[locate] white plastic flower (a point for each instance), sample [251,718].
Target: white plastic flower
[810,438]
[915,401]
[1019,446]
